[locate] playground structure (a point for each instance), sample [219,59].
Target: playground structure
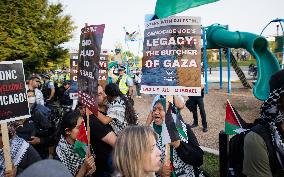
[217,36]
[280,21]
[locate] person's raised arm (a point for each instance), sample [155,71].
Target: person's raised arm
[104,119]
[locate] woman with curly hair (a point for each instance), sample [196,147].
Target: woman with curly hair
[120,111]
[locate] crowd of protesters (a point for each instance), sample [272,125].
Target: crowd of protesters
[118,145]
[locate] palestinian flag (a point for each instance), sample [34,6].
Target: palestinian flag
[234,124]
[166,8]
[81,143]
[170,132]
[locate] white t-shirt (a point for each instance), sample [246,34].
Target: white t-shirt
[39,97]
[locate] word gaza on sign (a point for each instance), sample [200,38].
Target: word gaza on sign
[183,63]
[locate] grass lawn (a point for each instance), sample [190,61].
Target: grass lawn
[211,164]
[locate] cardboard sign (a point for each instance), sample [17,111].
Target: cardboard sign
[88,72]
[171,57]
[13,95]
[103,77]
[74,66]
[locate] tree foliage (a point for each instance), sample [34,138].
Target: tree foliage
[33,31]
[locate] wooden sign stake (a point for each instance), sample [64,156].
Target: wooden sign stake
[169,99]
[6,146]
[88,130]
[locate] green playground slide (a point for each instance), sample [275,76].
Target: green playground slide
[219,37]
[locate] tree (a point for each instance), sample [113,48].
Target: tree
[33,31]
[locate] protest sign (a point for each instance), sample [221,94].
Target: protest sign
[103,77]
[171,56]
[74,66]
[13,97]
[88,71]
[13,101]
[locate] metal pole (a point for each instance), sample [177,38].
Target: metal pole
[282,64]
[205,59]
[223,153]
[229,70]
[221,69]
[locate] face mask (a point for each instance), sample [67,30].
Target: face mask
[31,100]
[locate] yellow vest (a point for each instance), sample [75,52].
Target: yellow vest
[122,85]
[67,76]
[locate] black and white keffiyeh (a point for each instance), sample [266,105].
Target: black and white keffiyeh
[116,110]
[272,115]
[18,148]
[68,156]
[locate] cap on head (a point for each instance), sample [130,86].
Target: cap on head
[45,75]
[121,68]
[67,82]
[51,167]
[33,76]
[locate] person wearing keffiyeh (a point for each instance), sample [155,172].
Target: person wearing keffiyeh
[186,155]
[69,131]
[22,154]
[264,145]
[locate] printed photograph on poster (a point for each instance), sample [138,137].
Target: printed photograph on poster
[88,71]
[172,56]
[13,95]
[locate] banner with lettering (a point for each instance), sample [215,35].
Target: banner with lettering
[74,66]
[103,77]
[13,95]
[171,56]
[89,56]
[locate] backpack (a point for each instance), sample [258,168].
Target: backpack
[236,149]
[236,153]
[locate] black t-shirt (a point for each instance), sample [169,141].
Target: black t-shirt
[101,149]
[31,156]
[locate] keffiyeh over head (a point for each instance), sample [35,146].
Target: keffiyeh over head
[68,156]
[18,148]
[271,113]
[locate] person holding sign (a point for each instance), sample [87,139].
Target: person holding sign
[186,155]
[120,112]
[69,131]
[102,137]
[23,154]
[136,153]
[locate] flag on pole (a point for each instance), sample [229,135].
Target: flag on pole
[170,132]
[81,143]
[166,8]
[234,124]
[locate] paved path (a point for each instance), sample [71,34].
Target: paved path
[215,75]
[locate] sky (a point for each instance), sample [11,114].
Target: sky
[241,15]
